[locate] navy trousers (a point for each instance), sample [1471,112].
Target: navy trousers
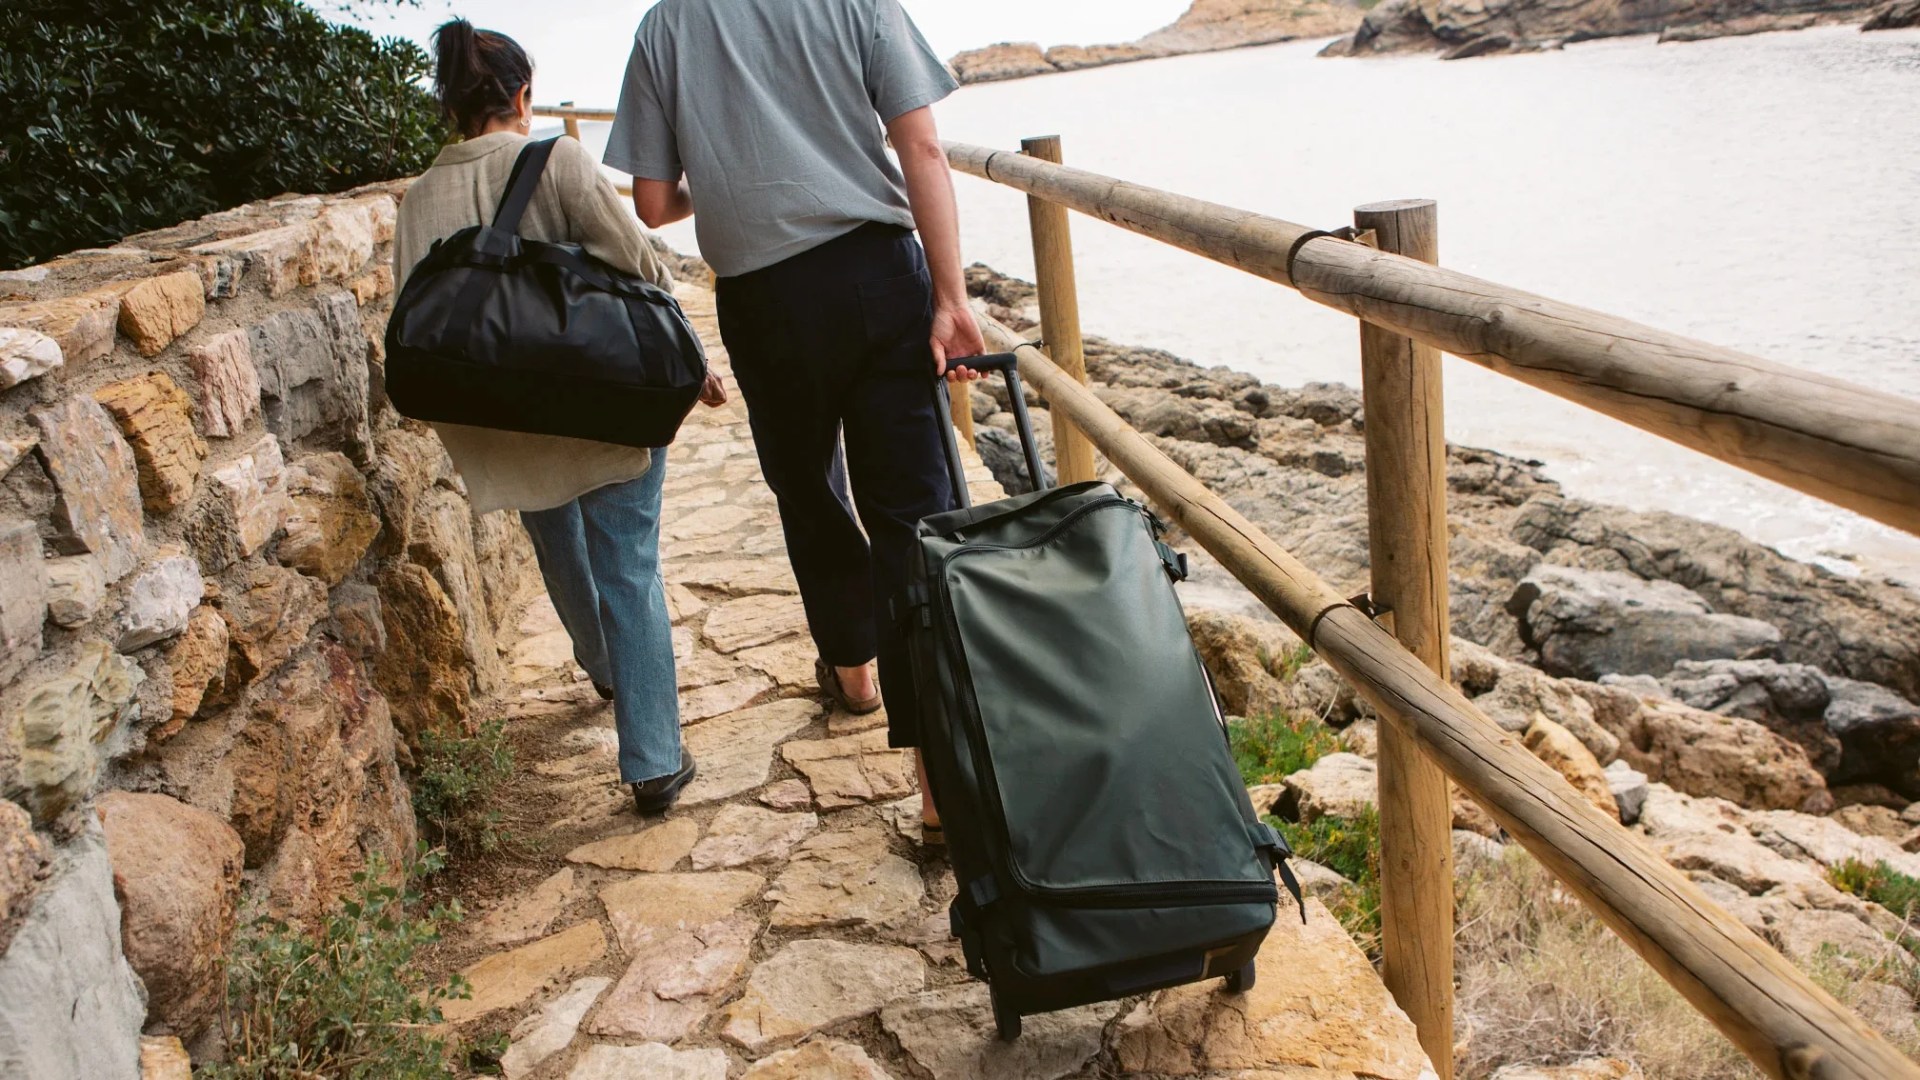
[830,350]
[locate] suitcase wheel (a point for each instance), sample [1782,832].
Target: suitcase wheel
[1240,980]
[1005,1018]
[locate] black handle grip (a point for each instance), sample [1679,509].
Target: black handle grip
[991,362]
[1008,365]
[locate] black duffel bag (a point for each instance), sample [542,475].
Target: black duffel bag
[497,331]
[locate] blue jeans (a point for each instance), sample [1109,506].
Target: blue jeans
[600,556]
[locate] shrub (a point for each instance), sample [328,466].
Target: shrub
[454,795]
[1349,847]
[345,1000]
[125,117]
[1880,883]
[1267,748]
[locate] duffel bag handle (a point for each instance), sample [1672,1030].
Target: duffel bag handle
[1008,365]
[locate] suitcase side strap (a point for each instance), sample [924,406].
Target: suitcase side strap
[1270,843]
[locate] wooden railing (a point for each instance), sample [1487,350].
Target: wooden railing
[1850,445]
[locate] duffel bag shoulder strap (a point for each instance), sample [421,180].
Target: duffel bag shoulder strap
[522,183]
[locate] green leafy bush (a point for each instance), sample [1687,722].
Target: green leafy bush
[454,795]
[125,116]
[1880,883]
[345,1000]
[1349,847]
[1267,748]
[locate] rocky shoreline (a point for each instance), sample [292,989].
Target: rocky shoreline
[1753,716]
[1461,31]
[1456,29]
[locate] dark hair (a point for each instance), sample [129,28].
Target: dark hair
[477,74]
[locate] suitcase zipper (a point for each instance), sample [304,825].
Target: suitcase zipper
[1162,894]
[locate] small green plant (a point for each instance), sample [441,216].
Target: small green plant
[1289,664]
[345,999]
[1349,847]
[1269,748]
[1880,883]
[454,794]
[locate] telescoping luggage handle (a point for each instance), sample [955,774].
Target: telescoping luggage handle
[1009,366]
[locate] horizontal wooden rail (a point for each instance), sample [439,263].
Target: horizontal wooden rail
[1791,1028]
[568,112]
[1851,445]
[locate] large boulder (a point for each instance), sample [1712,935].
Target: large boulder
[177,872]
[1861,627]
[1338,785]
[70,1005]
[1894,15]
[1879,734]
[1240,654]
[1854,732]
[1589,623]
[1708,754]
[1557,747]
[1791,699]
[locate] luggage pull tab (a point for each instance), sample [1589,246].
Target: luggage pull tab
[1268,840]
[1174,561]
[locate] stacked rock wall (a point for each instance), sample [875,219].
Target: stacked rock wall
[234,585]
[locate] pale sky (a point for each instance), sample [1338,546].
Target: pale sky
[580,47]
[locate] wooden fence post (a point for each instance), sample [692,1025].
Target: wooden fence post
[1059,311]
[572,123]
[1407,543]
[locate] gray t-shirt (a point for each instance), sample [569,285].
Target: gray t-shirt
[773,109]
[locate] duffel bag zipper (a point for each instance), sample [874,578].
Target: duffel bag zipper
[1167,894]
[1158,894]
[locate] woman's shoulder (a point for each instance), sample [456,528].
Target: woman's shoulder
[570,158]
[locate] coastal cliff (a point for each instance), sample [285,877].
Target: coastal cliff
[1207,26]
[1456,29]
[1460,29]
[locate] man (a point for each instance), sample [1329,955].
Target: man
[836,321]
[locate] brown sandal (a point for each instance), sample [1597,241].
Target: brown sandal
[830,685]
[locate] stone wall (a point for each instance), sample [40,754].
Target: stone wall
[234,586]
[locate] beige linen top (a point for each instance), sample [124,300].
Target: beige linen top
[506,470]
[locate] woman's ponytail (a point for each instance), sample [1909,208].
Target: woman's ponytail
[477,75]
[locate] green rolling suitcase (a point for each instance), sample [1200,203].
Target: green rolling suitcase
[1099,832]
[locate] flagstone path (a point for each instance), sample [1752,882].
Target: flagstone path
[784,920]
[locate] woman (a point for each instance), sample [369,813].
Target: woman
[592,509]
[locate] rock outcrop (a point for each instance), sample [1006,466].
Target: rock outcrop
[1896,15]
[1207,26]
[1458,29]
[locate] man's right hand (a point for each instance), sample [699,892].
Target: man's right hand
[956,336]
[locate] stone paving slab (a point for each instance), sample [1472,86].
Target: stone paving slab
[783,920]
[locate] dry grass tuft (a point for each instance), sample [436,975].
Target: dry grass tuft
[1543,982]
